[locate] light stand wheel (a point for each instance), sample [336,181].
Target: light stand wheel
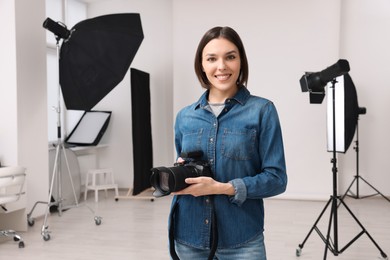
[30,222]
[46,237]
[98,220]
[45,233]
[21,244]
[298,251]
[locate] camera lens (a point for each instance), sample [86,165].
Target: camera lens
[164,181]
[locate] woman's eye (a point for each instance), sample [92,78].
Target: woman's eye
[211,59]
[231,57]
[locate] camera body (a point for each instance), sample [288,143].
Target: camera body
[171,179]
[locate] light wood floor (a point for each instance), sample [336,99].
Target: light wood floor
[137,229]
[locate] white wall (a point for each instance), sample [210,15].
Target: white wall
[23,127]
[365,43]
[8,98]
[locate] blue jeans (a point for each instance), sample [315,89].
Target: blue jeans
[253,250]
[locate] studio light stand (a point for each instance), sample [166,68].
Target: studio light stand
[95,57]
[60,33]
[319,80]
[357,177]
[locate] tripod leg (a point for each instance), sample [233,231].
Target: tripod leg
[333,216]
[314,227]
[70,175]
[44,230]
[372,187]
[363,231]
[349,188]
[97,219]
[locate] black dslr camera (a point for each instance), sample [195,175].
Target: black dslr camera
[170,179]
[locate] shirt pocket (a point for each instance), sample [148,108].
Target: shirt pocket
[192,140]
[238,144]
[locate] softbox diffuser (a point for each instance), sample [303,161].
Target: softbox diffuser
[346,113]
[96,57]
[90,128]
[142,130]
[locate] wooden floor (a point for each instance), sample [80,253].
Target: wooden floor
[137,229]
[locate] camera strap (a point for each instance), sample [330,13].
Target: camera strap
[214,230]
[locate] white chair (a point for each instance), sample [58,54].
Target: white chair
[11,189]
[100,179]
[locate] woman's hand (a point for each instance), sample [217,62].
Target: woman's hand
[201,186]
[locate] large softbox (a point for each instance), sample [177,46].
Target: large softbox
[346,113]
[96,57]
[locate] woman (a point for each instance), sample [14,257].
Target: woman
[240,137]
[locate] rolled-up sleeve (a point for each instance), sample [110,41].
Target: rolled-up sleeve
[240,192]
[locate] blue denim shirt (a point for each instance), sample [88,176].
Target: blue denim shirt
[244,146]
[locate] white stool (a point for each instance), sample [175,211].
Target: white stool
[102,179]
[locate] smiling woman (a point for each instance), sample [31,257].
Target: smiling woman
[240,137]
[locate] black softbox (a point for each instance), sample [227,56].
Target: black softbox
[96,57]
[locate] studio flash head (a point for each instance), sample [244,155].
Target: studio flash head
[57,28]
[315,82]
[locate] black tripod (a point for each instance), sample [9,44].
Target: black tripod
[333,245]
[357,176]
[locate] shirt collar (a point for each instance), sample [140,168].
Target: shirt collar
[241,97]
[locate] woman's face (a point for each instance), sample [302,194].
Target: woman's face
[221,62]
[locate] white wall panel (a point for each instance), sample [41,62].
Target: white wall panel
[365,41]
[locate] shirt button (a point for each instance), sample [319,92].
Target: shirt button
[211,139]
[206,221]
[207,201]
